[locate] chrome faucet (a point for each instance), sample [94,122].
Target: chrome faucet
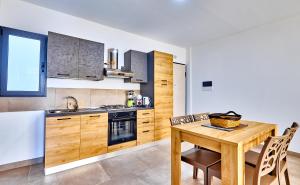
[72,103]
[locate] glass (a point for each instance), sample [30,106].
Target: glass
[121,131]
[23,64]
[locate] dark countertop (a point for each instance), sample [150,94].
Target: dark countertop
[64,112]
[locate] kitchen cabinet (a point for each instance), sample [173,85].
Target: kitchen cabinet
[160,89]
[62,56]
[62,140]
[145,126]
[71,57]
[136,62]
[93,135]
[90,60]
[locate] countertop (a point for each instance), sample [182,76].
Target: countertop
[64,112]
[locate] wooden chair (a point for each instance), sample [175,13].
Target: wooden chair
[181,120]
[201,117]
[267,170]
[198,157]
[252,157]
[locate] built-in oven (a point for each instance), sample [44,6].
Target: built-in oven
[121,127]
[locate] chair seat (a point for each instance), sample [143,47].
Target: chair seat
[200,158]
[215,171]
[251,158]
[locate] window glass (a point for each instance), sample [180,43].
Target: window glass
[23,64]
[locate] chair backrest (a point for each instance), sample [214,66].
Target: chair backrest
[201,117]
[181,120]
[286,144]
[269,157]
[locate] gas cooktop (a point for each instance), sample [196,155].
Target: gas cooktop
[116,107]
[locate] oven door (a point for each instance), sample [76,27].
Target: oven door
[121,130]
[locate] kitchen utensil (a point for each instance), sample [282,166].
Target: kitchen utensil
[146,101]
[112,58]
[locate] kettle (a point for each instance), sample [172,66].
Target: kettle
[146,101]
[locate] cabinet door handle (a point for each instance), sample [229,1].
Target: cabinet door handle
[146,113]
[91,76]
[146,131]
[60,119]
[164,82]
[63,74]
[138,80]
[146,122]
[97,116]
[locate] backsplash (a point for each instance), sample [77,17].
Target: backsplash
[56,99]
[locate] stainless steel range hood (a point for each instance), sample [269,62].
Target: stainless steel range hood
[116,73]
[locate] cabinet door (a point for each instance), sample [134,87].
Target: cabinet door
[136,62]
[62,56]
[91,60]
[94,129]
[139,67]
[163,93]
[145,126]
[62,140]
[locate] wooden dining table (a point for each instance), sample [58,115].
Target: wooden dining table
[232,146]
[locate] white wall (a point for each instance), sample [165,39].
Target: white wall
[21,135]
[26,16]
[255,73]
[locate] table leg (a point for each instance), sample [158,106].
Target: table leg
[275,131]
[233,164]
[175,157]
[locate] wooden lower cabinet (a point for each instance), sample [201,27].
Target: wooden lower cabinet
[121,146]
[62,140]
[71,138]
[94,130]
[145,126]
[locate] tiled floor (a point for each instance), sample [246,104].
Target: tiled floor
[146,167]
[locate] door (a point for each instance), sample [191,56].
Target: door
[90,60]
[62,56]
[179,89]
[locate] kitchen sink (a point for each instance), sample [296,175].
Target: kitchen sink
[61,111]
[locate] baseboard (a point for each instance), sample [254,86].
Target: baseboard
[20,164]
[295,154]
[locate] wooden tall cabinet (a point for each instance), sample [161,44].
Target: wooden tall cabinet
[160,89]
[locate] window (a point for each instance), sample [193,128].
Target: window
[23,63]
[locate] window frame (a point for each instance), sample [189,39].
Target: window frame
[4,37]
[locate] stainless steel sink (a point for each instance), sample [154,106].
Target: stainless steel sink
[60,111]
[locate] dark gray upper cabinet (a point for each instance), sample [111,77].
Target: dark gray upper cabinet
[136,62]
[71,57]
[90,60]
[62,56]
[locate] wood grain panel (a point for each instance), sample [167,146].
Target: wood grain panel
[149,113]
[62,140]
[94,133]
[163,93]
[162,133]
[145,136]
[121,146]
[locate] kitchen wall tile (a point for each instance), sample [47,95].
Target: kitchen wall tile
[27,104]
[82,95]
[107,97]
[3,105]
[51,98]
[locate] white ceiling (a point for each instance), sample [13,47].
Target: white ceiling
[180,22]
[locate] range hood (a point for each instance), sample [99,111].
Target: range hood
[116,73]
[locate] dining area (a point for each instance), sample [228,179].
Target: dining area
[229,150]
